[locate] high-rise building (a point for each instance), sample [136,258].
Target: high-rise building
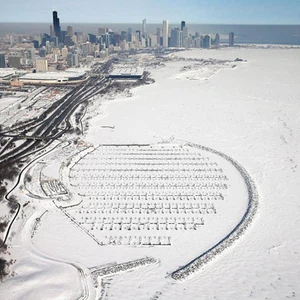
[73,60]
[175,40]
[158,34]
[198,42]
[36,44]
[92,38]
[207,41]
[165,34]
[138,35]
[51,31]
[2,60]
[64,52]
[70,31]
[56,26]
[129,34]
[187,42]
[231,39]
[63,35]
[101,30]
[144,29]
[68,41]
[185,32]
[217,40]
[123,36]
[182,25]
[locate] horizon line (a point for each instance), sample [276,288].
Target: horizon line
[170,23]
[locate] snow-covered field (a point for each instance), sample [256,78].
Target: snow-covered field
[250,113]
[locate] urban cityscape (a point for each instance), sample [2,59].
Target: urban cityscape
[149,161]
[62,49]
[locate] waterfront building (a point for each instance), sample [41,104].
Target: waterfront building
[187,42]
[198,42]
[231,39]
[176,37]
[182,25]
[217,40]
[165,34]
[185,34]
[207,41]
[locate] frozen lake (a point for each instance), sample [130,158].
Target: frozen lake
[246,110]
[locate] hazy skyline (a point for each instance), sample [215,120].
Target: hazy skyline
[133,11]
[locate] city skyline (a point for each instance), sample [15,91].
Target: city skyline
[201,12]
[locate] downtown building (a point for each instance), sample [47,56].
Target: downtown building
[176,38]
[56,26]
[165,34]
[2,60]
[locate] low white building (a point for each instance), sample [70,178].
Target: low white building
[6,74]
[53,77]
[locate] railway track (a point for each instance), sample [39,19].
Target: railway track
[55,115]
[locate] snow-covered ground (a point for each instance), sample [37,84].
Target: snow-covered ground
[250,113]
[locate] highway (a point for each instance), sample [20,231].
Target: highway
[41,130]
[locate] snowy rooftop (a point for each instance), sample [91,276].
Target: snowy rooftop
[6,72]
[127,72]
[52,75]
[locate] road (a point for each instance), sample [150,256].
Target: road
[41,130]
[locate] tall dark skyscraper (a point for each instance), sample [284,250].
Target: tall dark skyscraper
[56,26]
[182,25]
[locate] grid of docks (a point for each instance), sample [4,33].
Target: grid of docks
[141,194]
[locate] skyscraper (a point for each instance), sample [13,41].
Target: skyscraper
[138,35]
[129,34]
[207,41]
[217,40]
[231,39]
[144,29]
[101,30]
[158,34]
[175,40]
[51,30]
[56,26]
[182,25]
[165,34]
[2,60]
[70,31]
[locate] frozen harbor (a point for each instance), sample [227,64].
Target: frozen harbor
[247,110]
